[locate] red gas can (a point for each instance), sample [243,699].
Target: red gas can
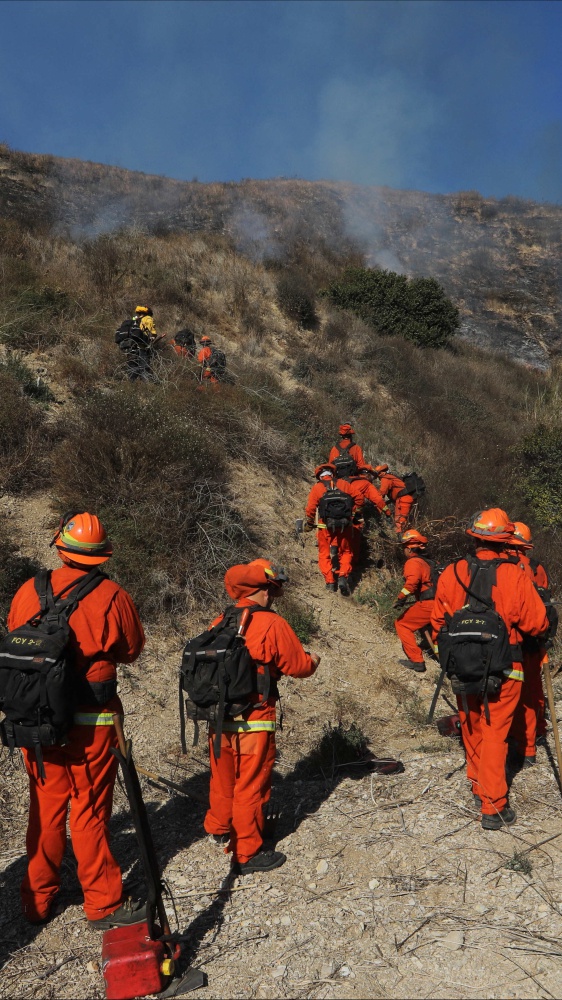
[132,963]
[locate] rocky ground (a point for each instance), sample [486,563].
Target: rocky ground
[391,888]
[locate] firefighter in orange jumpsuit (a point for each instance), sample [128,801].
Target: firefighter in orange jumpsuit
[529,723]
[105,630]
[418,582]
[241,777]
[346,444]
[394,489]
[207,374]
[371,496]
[517,602]
[335,547]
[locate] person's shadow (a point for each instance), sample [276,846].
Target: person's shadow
[175,825]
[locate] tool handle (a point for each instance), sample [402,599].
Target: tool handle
[246,614]
[554,721]
[118,723]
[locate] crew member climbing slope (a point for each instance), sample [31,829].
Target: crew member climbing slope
[336,501]
[372,500]
[346,456]
[395,489]
[419,582]
[104,630]
[486,675]
[529,723]
[241,776]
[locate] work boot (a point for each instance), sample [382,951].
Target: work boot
[132,911]
[343,586]
[498,820]
[413,665]
[263,861]
[541,740]
[220,839]
[529,761]
[332,587]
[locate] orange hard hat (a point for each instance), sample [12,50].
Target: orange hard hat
[379,469]
[244,579]
[325,467]
[522,537]
[493,524]
[346,429]
[81,538]
[142,309]
[205,340]
[413,538]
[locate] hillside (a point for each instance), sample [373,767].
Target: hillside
[498,259]
[391,887]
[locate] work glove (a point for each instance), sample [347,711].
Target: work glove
[358,521]
[308,526]
[398,604]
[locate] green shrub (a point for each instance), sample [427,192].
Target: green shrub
[541,474]
[395,305]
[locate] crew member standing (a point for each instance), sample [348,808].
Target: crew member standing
[418,583]
[105,630]
[241,777]
[529,723]
[486,719]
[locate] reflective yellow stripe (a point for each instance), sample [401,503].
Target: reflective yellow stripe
[264,726]
[405,591]
[93,719]
[516,674]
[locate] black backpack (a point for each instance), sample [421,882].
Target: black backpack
[130,337]
[219,676]
[217,362]
[414,486]
[345,464]
[531,643]
[39,687]
[335,509]
[186,339]
[474,649]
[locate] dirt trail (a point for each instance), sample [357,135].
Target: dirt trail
[391,888]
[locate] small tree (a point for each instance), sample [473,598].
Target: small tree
[394,305]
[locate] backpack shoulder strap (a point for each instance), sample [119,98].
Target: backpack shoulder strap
[44,591]
[476,566]
[80,589]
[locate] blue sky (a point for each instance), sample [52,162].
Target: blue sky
[437,95]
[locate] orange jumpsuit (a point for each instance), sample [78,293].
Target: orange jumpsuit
[340,540]
[417,581]
[206,372]
[390,486]
[354,451]
[241,778]
[105,625]
[522,610]
[529,721]
[371,493]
